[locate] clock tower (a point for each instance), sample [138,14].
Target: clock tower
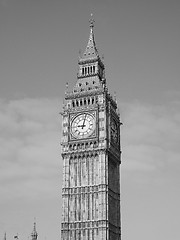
[91,154]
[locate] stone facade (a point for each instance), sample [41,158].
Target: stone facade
[91,155]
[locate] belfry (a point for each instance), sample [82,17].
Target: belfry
[91,154]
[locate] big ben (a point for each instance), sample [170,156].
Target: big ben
[91,154]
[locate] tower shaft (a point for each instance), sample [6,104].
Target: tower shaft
[91,155]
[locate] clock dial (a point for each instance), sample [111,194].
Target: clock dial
[114,131]
[83,125]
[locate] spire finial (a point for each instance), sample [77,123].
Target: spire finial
[34,234]
[34,227]
[67,87]
[115,99]
[91,20]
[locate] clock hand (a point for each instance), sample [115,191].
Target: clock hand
[83,125]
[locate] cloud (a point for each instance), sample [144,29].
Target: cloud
[30,132]
[31,166]
[29,147]
[150,136]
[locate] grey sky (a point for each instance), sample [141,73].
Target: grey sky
[39,45]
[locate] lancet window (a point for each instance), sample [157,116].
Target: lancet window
[88,70]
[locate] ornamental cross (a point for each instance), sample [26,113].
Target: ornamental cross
[91,20]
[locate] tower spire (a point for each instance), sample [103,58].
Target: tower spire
[91,72]
[34,234]
[91,50]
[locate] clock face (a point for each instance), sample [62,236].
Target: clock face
[114,131]
[83,125]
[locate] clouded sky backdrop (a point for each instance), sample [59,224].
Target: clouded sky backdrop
[39,46]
